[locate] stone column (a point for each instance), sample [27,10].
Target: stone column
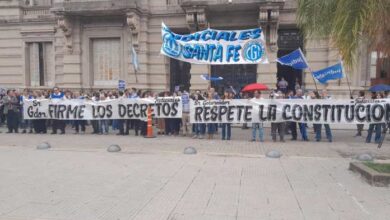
[196,20]
[71,76]
[132,77]
[269,22]
[65,25]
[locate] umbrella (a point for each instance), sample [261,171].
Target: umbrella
[254,87]
[380,88]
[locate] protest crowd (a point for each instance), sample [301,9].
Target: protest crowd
[11,115]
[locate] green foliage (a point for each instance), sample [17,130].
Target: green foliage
[379,167]
[347,23]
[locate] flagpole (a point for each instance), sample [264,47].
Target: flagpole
[311,73]
[349,86]
[310,70]
[208,66]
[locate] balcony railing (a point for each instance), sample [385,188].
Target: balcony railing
[86,7]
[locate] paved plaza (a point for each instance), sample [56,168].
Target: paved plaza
[77,179]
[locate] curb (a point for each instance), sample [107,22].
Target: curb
[373,177]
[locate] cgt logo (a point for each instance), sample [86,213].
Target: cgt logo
[253,51]
[170,45]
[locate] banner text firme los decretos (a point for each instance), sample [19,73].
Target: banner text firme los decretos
[78,109]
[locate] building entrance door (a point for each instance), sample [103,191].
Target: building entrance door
[179,75]
[288,41]
[237,76]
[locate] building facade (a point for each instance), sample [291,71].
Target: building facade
[86,44]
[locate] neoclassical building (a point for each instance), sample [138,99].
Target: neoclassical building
[86,44]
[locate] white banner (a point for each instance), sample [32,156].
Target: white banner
[212,46]
[123,108]
[298,110]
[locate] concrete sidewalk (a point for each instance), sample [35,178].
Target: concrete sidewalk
[67,184]
[151,179]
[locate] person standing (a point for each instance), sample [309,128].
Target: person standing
[39,124]
[11,109]
[278,127]
[121,122]
[57,95]
[328,132]
[103,123]
[282,85]
[199,128]
[95,122]
[185,120]
[359,127]
[211,127]
[79,123]
[377,127]
[257,126]
[133,123]
[227,127]
[317,127]
[302,126]
[160,121]
[25,123]
[2,116]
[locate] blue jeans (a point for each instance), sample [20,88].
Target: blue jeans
[200,129]
[226,131]
[371,128]
[115,124]
[26,124]
[103,126]
[302,129]
[211,128]
[255,127]
[328,132]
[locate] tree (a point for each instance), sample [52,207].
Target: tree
[347,23]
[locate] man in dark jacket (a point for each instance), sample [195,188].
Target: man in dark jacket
[11,109]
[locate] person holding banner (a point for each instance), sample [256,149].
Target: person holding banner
[257,126]
[175,122]
[79,123]
[227,127]
[199,128]
[169,122]
[359,127]
[25,123]
[278,127]
[57,124]
[95,123]
[211,127]
[302,126]
[328,132]
[103,123]
[374,126]
[317,127]
[121,122]
[185,119]
[133,123]
[39,124]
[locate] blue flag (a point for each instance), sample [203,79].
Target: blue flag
[208,78]
[295,59]
[329,73]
